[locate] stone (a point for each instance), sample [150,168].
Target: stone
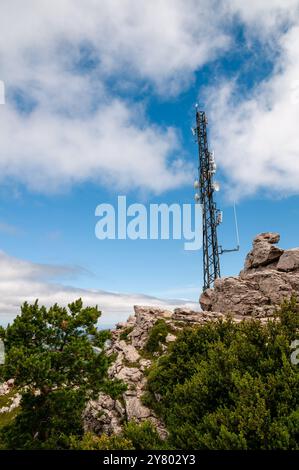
[130,353]
[269,237]
[103,415]
[155,311]
[206,299]
[232,294]
[185,311]
[170,338]
[136,410]
[129,374]
[289,260]
[144,364]
[269,277]
[14,402]
[262,254]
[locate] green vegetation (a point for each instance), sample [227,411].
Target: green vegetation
[50,354]
[221,385]
[156,337]
[7,418]
[5,400]
[124,334]
[143,436]
[134,437]
[92,442]
[230,386]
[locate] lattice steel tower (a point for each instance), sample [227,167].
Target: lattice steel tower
[212,217]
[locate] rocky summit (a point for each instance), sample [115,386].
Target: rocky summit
[270,275]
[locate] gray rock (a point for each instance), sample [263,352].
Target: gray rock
[155,311]
[136,410]
[130,353]
[185,311]
[268,278]
[170,338]
[289,260]
[262,254]
[103,415]
[129,374]
[269,237]
[206,299]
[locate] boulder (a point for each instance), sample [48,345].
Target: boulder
[129,374]
[263,252]
[270,275]
[185,311]
[136,410]
[129,352]
[206,299]
[269,237]
[103,415]
[170,338]
[289,260]
[232,295]
[154,311]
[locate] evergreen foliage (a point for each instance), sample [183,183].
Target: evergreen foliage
[230,386]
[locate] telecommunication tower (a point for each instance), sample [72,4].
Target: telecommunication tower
[211,216]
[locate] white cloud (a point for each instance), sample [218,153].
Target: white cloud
[162,40]
[79,130]
[258,145]
[51,152]
[22,280]
[264,17]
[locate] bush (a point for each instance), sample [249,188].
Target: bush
[134,437]
[125,333]
[56,357]
[230,386]
[92,442]
[143,436]
[156,336]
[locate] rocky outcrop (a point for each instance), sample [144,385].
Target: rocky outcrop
[270,275]
[106,415]
[263,252]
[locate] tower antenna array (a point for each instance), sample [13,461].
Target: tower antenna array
[211,216]
[206,185]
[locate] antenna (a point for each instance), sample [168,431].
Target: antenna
[212,217]
[207,187]
[221,250]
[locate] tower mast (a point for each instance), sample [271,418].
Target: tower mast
[212,217]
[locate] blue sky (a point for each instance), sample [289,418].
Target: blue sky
[99,103]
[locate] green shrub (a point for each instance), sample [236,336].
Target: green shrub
[157,335]
[124,334]
[143,436]
[92,442]
[134,437]
[230,386]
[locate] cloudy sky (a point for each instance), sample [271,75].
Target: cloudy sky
[100,99]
